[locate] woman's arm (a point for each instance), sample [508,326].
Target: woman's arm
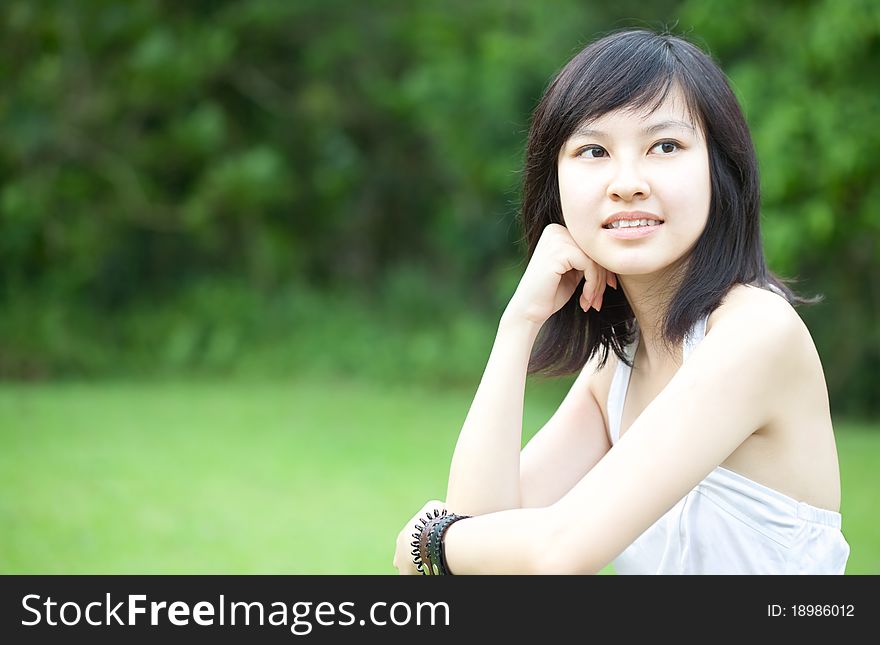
[484,475]
[558,456]
[737,380]
[572,441]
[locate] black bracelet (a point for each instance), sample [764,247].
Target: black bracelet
[429,554]
[435,541]
[421,557]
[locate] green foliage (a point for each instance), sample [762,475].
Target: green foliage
[227,328]
[263,147]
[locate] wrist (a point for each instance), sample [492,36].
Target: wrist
[514,325]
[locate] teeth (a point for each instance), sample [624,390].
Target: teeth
[624,223]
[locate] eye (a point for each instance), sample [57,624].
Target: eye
[589,150]
[667,147]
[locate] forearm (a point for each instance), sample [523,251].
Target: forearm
[515,541]
[532,541]
[484,475]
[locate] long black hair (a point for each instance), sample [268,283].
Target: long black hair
[636,69]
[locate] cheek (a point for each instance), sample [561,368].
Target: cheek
[577,195]
[687,192]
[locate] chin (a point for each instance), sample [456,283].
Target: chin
[633,268]
[636,266]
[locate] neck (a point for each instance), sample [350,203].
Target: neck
[649,297]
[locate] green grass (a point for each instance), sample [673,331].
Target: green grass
[211,477]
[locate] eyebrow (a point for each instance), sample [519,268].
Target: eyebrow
[584,131]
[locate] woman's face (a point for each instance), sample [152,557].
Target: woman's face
[636,167]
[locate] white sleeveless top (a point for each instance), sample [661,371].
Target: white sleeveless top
[729,524]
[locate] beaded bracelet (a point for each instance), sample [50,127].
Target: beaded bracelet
[428,549]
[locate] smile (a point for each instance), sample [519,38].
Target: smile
[632,223]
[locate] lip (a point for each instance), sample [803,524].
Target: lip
[630,215]
[631,233]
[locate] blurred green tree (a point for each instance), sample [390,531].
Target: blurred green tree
[149,146]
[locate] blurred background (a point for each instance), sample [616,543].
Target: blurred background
[253,255]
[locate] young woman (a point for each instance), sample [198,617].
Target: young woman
[697,437]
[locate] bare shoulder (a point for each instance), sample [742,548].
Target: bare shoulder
[761,304]
[794,451]
[763,321]
[761,333]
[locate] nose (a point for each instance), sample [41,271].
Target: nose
[628,184]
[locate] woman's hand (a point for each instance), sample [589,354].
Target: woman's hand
[554,272]
[403,558]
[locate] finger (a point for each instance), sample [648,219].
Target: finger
[609,279]
[577,259]
[602,283]
[598,287]
[585,296]
[594,286]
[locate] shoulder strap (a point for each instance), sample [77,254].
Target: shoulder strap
[617,393]
[696,334]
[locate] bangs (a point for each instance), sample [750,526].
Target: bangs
[633,75]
